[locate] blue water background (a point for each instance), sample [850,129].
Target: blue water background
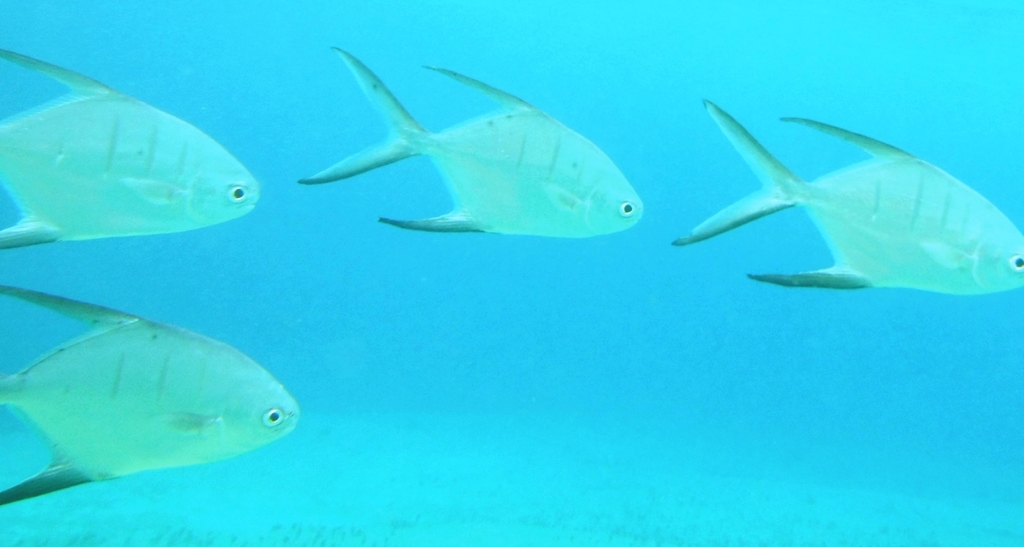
[897,390]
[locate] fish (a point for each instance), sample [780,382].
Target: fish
[96,163]
[514,171]
[893,220]
[135,395]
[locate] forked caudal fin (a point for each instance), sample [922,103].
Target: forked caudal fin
[401,144]
[780,188]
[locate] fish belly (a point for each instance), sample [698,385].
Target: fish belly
[103,166]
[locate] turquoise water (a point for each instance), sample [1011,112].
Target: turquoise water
[476,389]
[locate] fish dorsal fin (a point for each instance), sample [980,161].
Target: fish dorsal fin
[81,85]
[511,102]
[96,316]
[59,475]
[871,146]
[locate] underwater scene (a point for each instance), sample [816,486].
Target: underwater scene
[534,273]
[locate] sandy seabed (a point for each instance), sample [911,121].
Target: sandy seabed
[443,480]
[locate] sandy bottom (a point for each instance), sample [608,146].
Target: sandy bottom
[474,481]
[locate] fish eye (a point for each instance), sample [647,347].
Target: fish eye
[238,194]
[1017,263]
[626,209]
[273,417]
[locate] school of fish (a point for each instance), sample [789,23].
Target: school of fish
[97,163]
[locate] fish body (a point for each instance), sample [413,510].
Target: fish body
[892,221]
[516,171]
[541,178]
[136,395]
[907,223]
[97,163]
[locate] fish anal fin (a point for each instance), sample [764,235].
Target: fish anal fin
[506,100]
[871,146]
[830,278]
[88,313]
[447,223]
[81,85]
[29,231]
[58,476]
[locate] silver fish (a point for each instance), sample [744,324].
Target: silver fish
[134,395]
[892,221]
[97,163]
[516,171]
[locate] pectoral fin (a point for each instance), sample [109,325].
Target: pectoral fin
[949,257]
[563,198]
[453,222]
[190,423]
[154,191]
[59,475]
[830,278]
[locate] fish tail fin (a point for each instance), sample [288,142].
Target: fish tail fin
[406,132]
[780,188]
